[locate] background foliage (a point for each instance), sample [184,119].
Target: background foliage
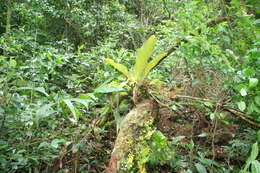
[51,61]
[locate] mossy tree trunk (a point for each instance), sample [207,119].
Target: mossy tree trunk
[136,125]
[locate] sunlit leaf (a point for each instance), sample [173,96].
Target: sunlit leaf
[117,66]
[243,92]
[253,82]
[142,58]
[12,63]
[241,105]
[153,63]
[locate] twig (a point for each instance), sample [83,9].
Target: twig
[243,117]
[195,98]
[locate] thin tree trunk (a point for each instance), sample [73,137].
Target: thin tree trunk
[8,17]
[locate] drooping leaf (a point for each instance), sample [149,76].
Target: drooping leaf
[142,58]
[39,89]
[117,66]
[153,63]
[72,109]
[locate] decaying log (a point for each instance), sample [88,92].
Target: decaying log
[130,131]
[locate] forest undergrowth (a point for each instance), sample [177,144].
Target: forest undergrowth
[151,86]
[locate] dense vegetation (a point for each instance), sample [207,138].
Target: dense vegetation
[62,102]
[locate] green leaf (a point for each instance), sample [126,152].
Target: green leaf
[55,142]
[253,155]
[241,105]
[253,82]
[212,116]
[72,109]
[45,111]
[188,171]
[142,58]
[200,168]
[257,100]
[39,89]
[85,102]
[153,63]
[43,144]
[12,63]
[243,92]
[117,66]
[255,166]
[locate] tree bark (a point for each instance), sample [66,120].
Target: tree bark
[131,128]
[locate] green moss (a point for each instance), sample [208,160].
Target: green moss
[139,156]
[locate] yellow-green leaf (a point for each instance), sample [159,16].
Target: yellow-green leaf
[153,63]
[142,58]
[117,66]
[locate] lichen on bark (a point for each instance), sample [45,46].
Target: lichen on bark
[131,147]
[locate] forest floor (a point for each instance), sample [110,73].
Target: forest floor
[205,131]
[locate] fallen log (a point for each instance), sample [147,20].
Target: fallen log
[136,125]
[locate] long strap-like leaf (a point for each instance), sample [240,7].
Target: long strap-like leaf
[117,66]
[142,58]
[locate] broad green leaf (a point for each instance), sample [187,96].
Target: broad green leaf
[253,82]
[243,92]
[241,105]
[255,166]
[117,66]
[153,63]
[142,58]
[72,109]
[257,100]
[200,168]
